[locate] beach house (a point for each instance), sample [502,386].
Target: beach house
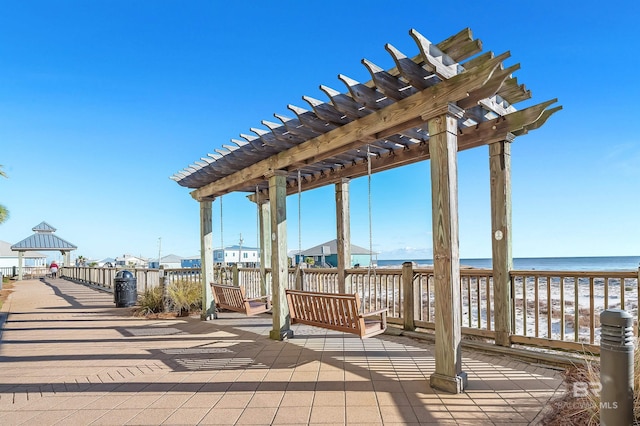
[132,261]
[9,259]
[170,261]
[190,262]
[245,256]
[326,255]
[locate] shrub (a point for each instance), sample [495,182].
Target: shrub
[566,410]
[150,302]
[186,296]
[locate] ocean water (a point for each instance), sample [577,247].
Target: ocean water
[608,263]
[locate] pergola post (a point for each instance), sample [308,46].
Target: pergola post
[279,265]
[265,242]
[443,148]
[343,234]
[502,260]
[206,259]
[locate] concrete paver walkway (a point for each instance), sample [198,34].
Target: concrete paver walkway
[68,356]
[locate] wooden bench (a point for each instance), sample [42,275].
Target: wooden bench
[335,311]
[234,299]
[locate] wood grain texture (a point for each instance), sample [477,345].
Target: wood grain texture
[408,293]
[501,241]
[279,261]
[446,258]
[206,259]
[343,233]
[265,243]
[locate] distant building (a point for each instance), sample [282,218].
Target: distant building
[107,262]
[131,261]
[246,256]
[191,262]
[326,255]
[9,258]
[170,261]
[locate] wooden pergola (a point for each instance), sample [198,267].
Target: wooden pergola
[449,97]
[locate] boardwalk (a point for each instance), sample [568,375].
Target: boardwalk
[68,356]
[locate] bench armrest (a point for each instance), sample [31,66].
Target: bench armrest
[267,297]
[383,316]
[378,312]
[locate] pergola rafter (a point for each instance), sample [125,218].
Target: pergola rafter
[401,100]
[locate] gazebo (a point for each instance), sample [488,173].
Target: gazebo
[43,239]
[449,97]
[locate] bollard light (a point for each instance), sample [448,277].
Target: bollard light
[616,367]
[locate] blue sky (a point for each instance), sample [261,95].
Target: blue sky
[102,101]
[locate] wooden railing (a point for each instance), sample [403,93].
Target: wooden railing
[573,297]
[576,297]
[476,301]
[27,271]
[561,309]
[145,278]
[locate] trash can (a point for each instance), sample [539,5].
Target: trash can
[125,289]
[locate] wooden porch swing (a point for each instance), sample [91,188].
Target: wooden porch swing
[339,311]
[234,298]
[335,311]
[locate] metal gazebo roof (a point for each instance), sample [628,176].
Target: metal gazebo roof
[43,239]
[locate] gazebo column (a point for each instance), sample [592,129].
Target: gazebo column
[502,260]
[443,148]
[279,265]
[265,242]
[206,259]
[343,234]
[66,255]
[20,263]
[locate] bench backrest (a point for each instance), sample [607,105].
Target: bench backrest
[335,311]
[229,297]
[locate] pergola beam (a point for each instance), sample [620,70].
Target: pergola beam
[483,134]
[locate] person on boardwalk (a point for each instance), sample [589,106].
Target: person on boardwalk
[53,268]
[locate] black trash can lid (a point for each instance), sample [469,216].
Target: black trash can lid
[124,274]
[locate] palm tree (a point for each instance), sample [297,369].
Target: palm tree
[4,213]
